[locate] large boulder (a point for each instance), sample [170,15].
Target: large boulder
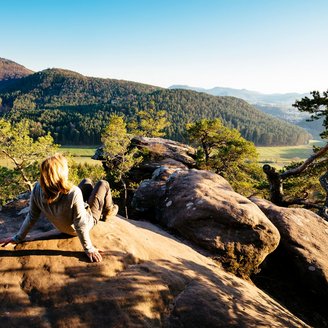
[300,263]
[147,279]
[203,207]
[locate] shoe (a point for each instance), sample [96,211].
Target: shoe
[111,213]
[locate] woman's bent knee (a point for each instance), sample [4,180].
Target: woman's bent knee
[104,183]
[86,181]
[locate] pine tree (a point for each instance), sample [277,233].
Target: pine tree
[23,152]
[225,152]
[120,157]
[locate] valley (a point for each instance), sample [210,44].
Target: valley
[275,156]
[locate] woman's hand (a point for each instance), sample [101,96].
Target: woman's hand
[95,256]
[9,240]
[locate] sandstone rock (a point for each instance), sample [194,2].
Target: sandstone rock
[157,152]
[305,234]
[302,257]
[148,166]
[151,190]
[203,208]
[147,279]
[160,149]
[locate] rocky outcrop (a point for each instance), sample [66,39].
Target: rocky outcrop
[156,152]
[161,149]
[147,279]
[300,263]
[203,208]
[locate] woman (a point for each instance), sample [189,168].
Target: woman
[63,204]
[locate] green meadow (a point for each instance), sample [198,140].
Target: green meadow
[81,154]
[280,156]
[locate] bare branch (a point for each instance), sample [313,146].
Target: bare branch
[12,158]
[20,169]
[304,202]
[306,163]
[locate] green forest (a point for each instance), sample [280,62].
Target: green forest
[75,109]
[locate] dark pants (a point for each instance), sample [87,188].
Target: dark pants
[98,197]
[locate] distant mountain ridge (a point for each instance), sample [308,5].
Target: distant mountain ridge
[76,108]
[10,70]
[252,97]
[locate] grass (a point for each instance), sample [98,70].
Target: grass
[81,154]
[280,156]
[5,162]
[83,151]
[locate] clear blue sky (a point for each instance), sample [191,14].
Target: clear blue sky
[264,45]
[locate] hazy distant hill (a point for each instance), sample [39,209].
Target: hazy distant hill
[10,70]
[75,108]
[252,97]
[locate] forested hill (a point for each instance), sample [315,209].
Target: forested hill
[75,108]
[10,70]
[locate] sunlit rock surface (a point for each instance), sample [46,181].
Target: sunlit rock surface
[147,279]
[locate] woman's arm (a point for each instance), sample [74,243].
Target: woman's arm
[30,237]
[83,223]
[30,219]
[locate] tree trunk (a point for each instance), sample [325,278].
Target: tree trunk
[125,197]
[324,184]
[276,180]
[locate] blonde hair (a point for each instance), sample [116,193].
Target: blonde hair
[53,177]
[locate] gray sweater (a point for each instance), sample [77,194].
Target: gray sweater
[68,214]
